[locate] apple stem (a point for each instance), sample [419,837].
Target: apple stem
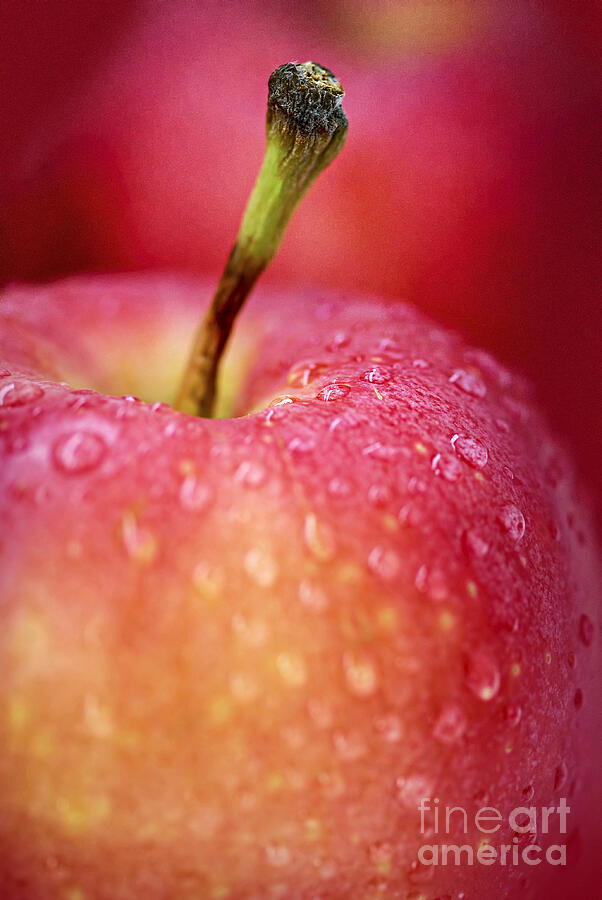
[306,128]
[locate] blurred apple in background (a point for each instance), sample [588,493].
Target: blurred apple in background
[467,185]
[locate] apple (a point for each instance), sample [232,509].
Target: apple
[237,653]
[473,159]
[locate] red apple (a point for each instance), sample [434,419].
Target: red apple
[237,652]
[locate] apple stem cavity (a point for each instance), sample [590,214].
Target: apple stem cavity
[306,127]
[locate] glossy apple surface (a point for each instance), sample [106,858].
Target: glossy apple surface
[237,652]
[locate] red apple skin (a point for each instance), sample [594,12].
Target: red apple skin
[235,652]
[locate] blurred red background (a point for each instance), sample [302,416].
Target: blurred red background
[132,133]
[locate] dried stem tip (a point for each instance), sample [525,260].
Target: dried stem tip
[306,128]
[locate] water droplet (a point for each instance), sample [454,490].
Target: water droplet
[360,674]
[260,566]
[376,375]
[433,583]
[301,445]
[469,382]
[578,698]
[389,727]
[306,372]
[253,632]
[381,854]
[277,855]
[78,451]
[482,674]
[140,543]
[321,713]
[340,339]
[447,466]
[451,725]
[474,545]
[18,393]
[412,789]
[377,450]
[349,746]
[471,451]
[292,669]
[586,630]
[243,687]
[338,487]
[411,515]
[250,473]
[384,562]
[333,392]
[208,581]
[502,425]
[512,714]
[560,775]
[195,495]
[420,364]
[379,495]
[313,596]
[528,792]
[512,521]
[319,539]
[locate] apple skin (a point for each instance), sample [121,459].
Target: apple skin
[236,652]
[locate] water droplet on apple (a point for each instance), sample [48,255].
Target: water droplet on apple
[319,539]
[512,521]
[376,375]
[349,746]
[389,727]
[586,630]
[208,581]
[451,724]
[384,562]
[260,566]
[385,452]
[19,393]
[379,495]
[140,543]
[380,854]
[474,545]
[447,466]
[338,487]
[360,674]
[78,452]
[253,632]
[512,714]
[411,515]
[243,687]
[433,583]
[292,668]
[471,451]
[194,495]
[420,364]
[411,789]
[306,372]
[313,596]
[250,473]
[482,674]
[321,713]
[301,445]
[333,392]
[469,382]
[277,855]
